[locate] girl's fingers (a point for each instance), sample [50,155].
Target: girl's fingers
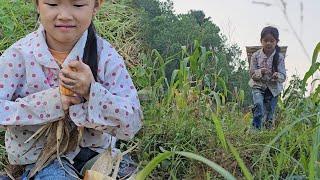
[69,101]
[67,81]
[78,64]
[75,64]
[75,100]
[68,73]
[67,86]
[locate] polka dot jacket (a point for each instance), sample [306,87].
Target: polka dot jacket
[30,98]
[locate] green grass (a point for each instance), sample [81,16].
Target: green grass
[190,117]
[17,18]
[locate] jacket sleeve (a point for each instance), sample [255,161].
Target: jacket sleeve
[33,109]
[255,72]
[281,74]
[113,105]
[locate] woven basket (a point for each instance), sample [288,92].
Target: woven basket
[252,49]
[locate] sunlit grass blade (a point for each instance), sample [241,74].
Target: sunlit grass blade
[314,168]
[316,53]
[145,172]
[219,130]
[211,164]
[313,69]
[279,135]
[241,164]
[314,66]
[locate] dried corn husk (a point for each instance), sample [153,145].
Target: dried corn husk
[106,163]
[61,135]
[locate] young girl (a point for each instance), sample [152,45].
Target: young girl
[65,52]
[267,72]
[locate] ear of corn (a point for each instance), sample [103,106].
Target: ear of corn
[65,91]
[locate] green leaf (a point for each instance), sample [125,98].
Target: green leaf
[310,73]
[144,173]
[243,167]
[316,53]
[314,169]
[279,135]
[219,129]
[314,66]
[218,101]
[211,164]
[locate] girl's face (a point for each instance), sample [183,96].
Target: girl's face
[269,43]
[65,20]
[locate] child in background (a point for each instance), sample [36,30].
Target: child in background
[268,73]
[65,51]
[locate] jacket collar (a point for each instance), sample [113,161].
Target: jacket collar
[263,55]
[43,55]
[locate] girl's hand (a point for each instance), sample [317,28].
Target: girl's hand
[78,78]
[274,76]
[264,71]
[68,101]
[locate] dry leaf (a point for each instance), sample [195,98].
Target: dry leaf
[61,135]
[104,163]
[94,175]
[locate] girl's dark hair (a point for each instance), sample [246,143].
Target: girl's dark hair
[90,54]
[275,33]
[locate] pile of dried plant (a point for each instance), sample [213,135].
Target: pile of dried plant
[118,22]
